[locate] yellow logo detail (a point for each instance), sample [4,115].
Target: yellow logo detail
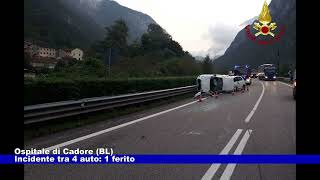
[264,26]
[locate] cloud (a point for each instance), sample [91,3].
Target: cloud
[202,53]
[221,35]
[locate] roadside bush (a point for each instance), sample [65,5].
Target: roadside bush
[52,90]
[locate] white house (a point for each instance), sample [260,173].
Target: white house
[77,54]
[47,52]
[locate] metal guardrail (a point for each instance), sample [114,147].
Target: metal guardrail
[50,111]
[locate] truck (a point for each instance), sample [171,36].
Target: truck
[268,71]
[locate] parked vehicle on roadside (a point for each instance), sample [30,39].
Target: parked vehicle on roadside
[254,73]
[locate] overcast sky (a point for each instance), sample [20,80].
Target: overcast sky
[200,26]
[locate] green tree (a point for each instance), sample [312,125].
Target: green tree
[92,66]
[284,69]
[207,65]
[60,66]
[160,43]
[155,39]
[176,48]
[27,60]
[97,50]
[65,63]
[134,49]
[117,36]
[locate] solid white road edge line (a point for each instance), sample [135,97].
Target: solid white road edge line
[230,167]
[285,84]
[255,106]
[214,167]
[116,127]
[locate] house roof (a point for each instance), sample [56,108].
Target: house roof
[46,47]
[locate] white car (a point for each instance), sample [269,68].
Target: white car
[239,83]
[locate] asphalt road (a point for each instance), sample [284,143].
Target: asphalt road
[259,121]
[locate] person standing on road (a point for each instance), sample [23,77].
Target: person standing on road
[290,75]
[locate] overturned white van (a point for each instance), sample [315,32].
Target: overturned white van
[207,83]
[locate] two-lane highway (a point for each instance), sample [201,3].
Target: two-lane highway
[258,121]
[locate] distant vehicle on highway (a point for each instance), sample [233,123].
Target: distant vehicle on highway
[244,72]
[239,83]
[294,85]
[269,71]
[254,73]
[260,76]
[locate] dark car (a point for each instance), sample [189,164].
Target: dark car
[260,76]
[294,85]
